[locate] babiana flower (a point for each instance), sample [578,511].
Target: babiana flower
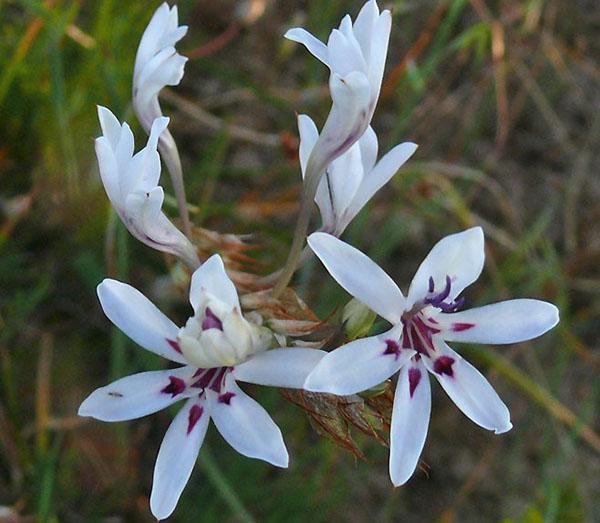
[131,183]
[351,179]
[422,323]
[216,348]
[355,54]
[157,64]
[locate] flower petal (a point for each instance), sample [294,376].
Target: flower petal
[459,256]
[359,365]
[177,457]
[139,318]
[382,172]
[309,134]
[509,321]
[211,278]
[359,275]
[246,426]
[468,389]
[315,47]
[410,421]
[137,395]
[284,367]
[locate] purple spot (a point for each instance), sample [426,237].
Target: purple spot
[174,345]
[414,377]
[443,365]
[226,398]
[431,287]
[211,321]
[458,327]
[176,386]
[206,376]
[392,347]
[193,417]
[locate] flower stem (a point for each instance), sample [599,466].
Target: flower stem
[170,155]
[306,205]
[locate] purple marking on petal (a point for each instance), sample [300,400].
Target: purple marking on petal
[443,365]
[392,347]
[431,287]
[211,321]
[176,386]
[459,327]
[217,382]
[226,397]
[174,345]
[206,376]
[193,417]
[414,377]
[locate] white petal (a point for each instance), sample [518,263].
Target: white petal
[137,395]
[211,278]
[139,318]
[309,135]
[382,172]
[152,35]
[459,256]
[468,389]
[284,367]
[359,275]
[364,26]
[369,146]
[344,53]
[379,48]
[343,178]
[246,426]
[358,365]
[317,48]
[110,125]
[177,457]
[505,322]
[410,420]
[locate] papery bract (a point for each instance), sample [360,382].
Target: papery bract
[422,323]
[131,183]
[210,392]
[352,179]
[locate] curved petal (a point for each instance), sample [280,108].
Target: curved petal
[468,389]
[359,365]
[369,145]
[459,256]
[505,322]
[315,47]
[359,275]
[246,426]
[285,367]
[137,395]
[211,278]
[309,135]
[410,421]
[139,318]
[177,457]
[382,172]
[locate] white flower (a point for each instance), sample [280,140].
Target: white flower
[422,323]
[233,352]
[352,179]
[157,63]
[355,54]
[131,183]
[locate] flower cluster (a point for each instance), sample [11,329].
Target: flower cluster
[221,344]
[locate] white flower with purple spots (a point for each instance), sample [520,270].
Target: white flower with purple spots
[157,64]
[216,348]
[355,54]
[131,183]
[422,323]
[352,179]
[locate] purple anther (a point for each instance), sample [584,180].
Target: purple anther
[443,365]
[392,347]
[211,321]
[414,377]
[193,417]
[431,285]
[176,386]
[226,397]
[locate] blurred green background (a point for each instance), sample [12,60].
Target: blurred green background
[503,98]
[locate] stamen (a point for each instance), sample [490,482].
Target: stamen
[438,300]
